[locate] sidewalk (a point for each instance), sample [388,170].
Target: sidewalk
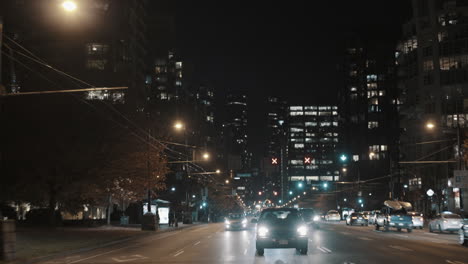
[39,244]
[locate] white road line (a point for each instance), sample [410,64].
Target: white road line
[324,250]
[197,243]
[178,253]
[400,248]
[454,262]
[245,252]
[433,234]
[365,238]
[401,235]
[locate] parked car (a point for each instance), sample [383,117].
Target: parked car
[373,217]
[418,219]
[333,215]
[446,221]
[235,221]
[394,215]
[463,234]
[345,212]
[366,214]
[357,219]
[311,218]
[281,228]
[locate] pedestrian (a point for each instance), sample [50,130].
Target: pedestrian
[175,220]
[170,220]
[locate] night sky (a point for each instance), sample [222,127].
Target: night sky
[289,49]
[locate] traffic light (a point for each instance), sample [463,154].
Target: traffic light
[343,157]
[307,160]
[274,161]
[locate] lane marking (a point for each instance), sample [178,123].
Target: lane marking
[400,248]
[245,252]
[365,238]
[198,229]
[432,234]
[405,236]
[324,250]
[197,243]
[129,258]
[178,253]
[454,262]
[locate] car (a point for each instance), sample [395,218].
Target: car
[357,219]
[418,219]
[235,221]
[394,215]
[311,218]
[463,234]
[332,215]
[345,212]
[366,214]
[446,221]
[281,228]
[373,216]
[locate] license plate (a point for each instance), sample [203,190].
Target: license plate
[401,224]
[283,242]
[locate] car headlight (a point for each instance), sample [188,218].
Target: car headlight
[262,231]
[302,230]
[244,221]
[227,222]
[316,218]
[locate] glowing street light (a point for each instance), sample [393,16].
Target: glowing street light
[69,6]
[218,171]
[300,185]
[206,156]
[430,125]
[290,192]
[227,181]
[178,125]
[344,170]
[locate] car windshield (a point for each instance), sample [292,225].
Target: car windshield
[280,216]
[236,216]
[451,216]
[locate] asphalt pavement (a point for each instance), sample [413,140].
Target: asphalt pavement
[332,243]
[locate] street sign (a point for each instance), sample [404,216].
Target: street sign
[460,179]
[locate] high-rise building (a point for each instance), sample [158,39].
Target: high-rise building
[235,133]
[272,164]
[312,144]
[167,82]
[432,65]
[368,112]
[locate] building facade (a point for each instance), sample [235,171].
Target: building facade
[432,61]
[312,144]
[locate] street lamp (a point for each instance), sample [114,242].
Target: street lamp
[218,171]
[206,156]
[227,181]
[344,170]
[430,125]
[178,125]
[69,6]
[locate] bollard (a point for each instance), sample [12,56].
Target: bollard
[7,240]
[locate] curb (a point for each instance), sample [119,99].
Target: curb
[87,249]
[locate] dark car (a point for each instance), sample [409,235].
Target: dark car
[281,228]
[357,219]
[235,221]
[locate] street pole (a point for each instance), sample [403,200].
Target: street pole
[282,174]
[148,171]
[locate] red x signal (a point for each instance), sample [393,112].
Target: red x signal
[274,161]
[307,160]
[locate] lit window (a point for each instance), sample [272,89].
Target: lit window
[96,64]
[325,124]
[372,124]
[371,78]
[310,113]
[296,113]
[295,129]
[96,49]
[295,108]
[299,146]
[309,124]
[296,162]
[381,93]
[178,65]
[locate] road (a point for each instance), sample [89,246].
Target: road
[332,243]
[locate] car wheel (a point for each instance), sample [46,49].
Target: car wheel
[377,227]
[430,229]
[386,228]
[399,229]
[260,251]
[440,229]
[409,230]
[461,238]
[421,227]
[303,251]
